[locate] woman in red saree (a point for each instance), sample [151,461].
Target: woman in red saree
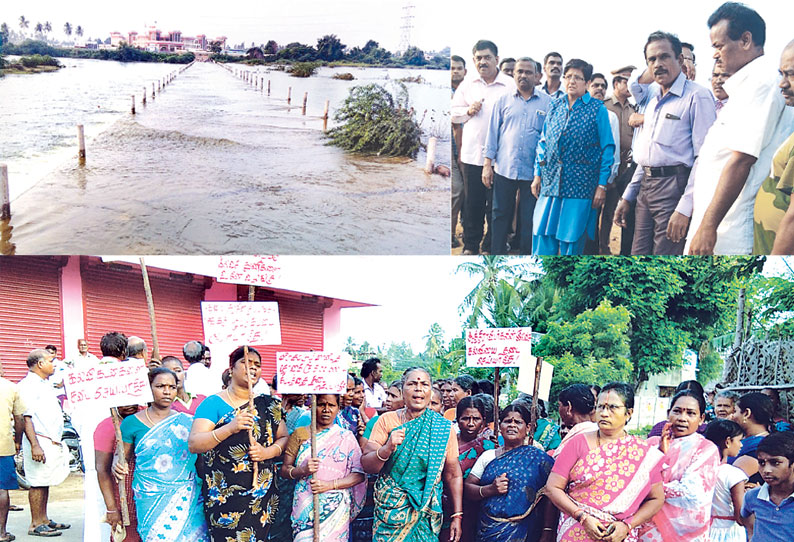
[606,482]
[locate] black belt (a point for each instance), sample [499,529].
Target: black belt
[665,171]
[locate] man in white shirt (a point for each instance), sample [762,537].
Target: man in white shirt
[84,359]
[46,457]
[371,373]
[198,379]
[736,155]
[471,107]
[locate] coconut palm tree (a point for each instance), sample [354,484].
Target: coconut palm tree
[67,28]
[23,24]
[79,31]
[39,28]
[47,29]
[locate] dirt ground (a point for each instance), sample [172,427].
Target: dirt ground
[65,505]
[614,241]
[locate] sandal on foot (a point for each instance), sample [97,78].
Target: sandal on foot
[58,526]
[15,508]
[8,538]
[43,530]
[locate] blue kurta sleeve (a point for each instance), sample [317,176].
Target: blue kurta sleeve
[540,153]
[607,145]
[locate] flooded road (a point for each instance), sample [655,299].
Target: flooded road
[212,165]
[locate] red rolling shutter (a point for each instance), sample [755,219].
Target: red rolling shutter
[115,301]
[30,310]
[301,327]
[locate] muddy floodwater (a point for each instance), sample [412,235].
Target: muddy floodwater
[212,165]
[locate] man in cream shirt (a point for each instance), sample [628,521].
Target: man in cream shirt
[737,152]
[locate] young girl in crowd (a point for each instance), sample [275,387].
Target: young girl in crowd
[729,492]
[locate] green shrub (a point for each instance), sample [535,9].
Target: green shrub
[377,122]
[303,69]
[38,60]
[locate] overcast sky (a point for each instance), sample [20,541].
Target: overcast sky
[353,21]
[606,34]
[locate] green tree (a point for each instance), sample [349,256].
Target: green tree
[79,31]
[23,24]
[330,48]
[4,33]
[39,28]
[271,47]
[591,348]
[215,47]
[254,52]
[297,51]
[413,56]
[674,302]
[374,121]
[434,342]
[67,29]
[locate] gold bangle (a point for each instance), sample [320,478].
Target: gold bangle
[335,484]
[289,473]
[456,515]
[480,491]
[215,436]
[377,453]
[280,449]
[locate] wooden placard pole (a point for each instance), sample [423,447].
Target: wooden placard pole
[125,512]
[251,296]
[150,303]
[325,115]
[305,97]
[534,412]
[496,403]
[316,497]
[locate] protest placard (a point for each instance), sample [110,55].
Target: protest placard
[251,270]
[238,322]
[108,385]
[312,372]
[526,377]
[497,347]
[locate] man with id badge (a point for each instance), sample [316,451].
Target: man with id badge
[513,133]
[676,122]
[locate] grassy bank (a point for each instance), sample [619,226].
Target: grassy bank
[31,64]
[122,54]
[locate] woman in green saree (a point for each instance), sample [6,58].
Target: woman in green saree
[408,450]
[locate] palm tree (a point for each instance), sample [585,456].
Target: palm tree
[39,28]
[499,293]
[79,30]
[67,28]
[434,345]
[23,23]
[47,29]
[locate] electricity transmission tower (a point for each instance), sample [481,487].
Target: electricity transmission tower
[406,27]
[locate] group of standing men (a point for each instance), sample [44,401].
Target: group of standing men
[681,169]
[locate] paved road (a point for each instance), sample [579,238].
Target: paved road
[65,506]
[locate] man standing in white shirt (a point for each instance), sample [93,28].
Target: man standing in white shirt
[198,379]
[371,373]
[84,359]
[736,154]
[471,107]
[46,457]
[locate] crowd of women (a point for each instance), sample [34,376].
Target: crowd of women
[217,469]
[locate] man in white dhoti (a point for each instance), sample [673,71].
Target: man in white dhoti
[46,457]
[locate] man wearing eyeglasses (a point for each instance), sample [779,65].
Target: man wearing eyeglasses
[677,119]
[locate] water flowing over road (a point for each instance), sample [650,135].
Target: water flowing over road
[211,165]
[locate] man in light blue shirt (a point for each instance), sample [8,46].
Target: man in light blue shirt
[676,122]
[513,133]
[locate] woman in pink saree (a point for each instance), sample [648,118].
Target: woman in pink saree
[606,482]
[689,474]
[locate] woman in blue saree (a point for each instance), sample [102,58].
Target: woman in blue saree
[508,481]
[167,490]
[413,450]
